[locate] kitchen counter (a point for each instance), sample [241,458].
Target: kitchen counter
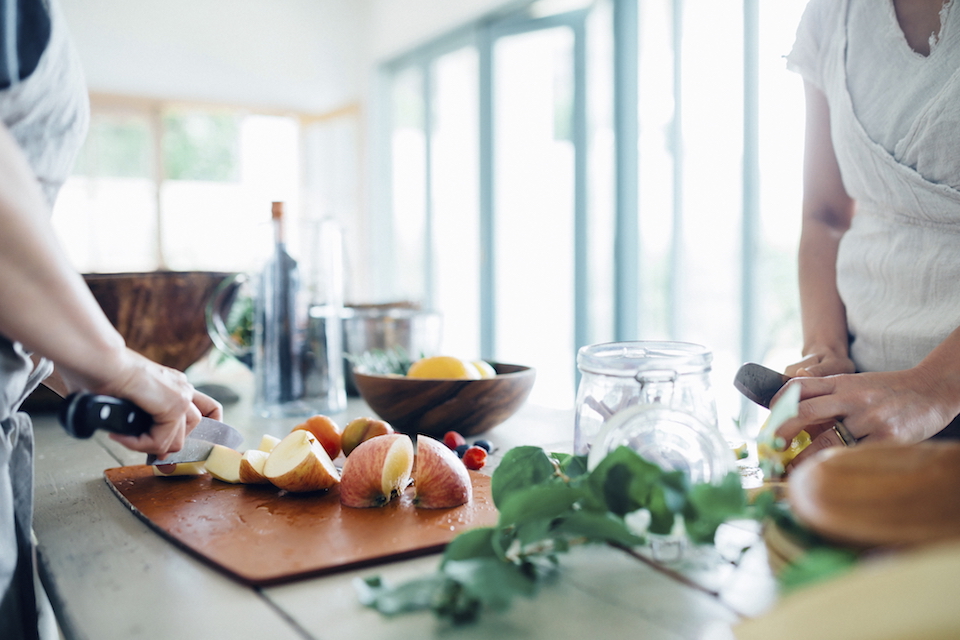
[111,576]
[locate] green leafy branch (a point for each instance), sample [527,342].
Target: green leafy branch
[547,503]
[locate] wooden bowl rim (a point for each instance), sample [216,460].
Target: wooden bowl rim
[522,371]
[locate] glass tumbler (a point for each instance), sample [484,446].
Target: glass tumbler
[618,375]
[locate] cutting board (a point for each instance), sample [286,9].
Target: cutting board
[262,536]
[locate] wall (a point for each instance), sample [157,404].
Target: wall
[297,54]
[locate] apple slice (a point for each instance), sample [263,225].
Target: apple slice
[376,471]
[223,463]
[251,467]
[327,432]
[268,442]
[360,430]
[440,479]
[180,469]
[300,463]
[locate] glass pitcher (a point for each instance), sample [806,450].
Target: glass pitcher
[618,375]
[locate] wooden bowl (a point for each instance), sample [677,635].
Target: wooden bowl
[160,314]
[433,407]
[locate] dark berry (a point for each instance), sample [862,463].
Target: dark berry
[486,445]
[462,449]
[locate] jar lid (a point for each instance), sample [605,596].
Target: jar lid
[629,358]
[672,439]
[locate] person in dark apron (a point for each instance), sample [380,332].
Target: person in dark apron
[880,246]
[47,314]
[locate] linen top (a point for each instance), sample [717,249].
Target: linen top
[895,127]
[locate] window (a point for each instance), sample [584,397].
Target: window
[188,187]
[607,170]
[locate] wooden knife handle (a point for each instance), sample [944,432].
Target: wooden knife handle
[83,413]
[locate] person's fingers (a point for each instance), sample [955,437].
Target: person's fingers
[794,369]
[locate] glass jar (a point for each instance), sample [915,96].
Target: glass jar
[618,375]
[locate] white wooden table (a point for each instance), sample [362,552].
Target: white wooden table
[112,577]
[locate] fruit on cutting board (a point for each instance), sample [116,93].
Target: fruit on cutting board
[251,466]
[327,432]
[360,430]
[268,442]
[180,469]
[377,471]
[880,494]
[299,463]
[440,479]
[223,463]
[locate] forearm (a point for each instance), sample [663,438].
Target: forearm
[44,303]
[822,312]
[941,371]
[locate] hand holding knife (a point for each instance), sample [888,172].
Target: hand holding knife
[81,414]
[760,384]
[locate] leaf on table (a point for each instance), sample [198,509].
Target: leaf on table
[521,468]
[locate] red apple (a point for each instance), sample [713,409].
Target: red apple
[376,471]
[326,431]
[360,430]
[300,463]
[439,478]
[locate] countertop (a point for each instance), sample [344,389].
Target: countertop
[110,576]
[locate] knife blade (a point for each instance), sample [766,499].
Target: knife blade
[81,414]
[758,383]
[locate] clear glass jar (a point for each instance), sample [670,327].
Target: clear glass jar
[617,375]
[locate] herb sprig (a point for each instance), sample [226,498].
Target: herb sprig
[548,503]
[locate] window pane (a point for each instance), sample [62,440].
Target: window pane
[201,146]
[408,184]
[455,194]
[106,213]
[225,225]
[533,181]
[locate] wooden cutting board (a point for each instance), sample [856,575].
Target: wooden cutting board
[261,536]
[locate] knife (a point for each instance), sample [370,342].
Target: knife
[758,383]
[83,413]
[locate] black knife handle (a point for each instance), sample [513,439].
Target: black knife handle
[83,413]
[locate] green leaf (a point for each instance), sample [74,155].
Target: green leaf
[623,480]
[540,502]
[597,527]
[816,566]
[476,543]
[570,465]
[521,468]
[491,581]
[414,595]
[709,506]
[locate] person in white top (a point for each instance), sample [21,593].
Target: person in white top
[880,244]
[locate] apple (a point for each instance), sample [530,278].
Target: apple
[251,466]
[360,430]
[268,442]
[376,471]
[326,431]
[180,469]
[223,463]
[440,479]
[300,463]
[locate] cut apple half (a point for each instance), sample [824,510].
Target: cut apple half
[223,463]
[251,467]
[299,463]
[440,479]
[376,471]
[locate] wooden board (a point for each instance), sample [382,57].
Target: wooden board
[260,535]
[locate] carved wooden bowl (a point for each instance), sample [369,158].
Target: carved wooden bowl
[433,407]
[160,314]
